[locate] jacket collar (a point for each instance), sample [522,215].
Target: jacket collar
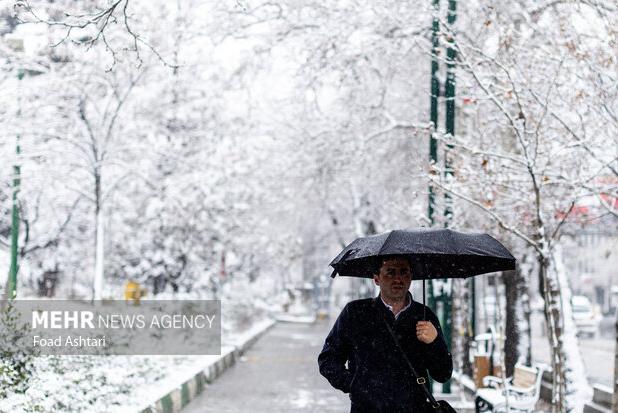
[379,303]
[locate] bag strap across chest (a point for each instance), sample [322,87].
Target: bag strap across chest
[418,379]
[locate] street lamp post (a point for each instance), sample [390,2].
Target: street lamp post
[435,92]
[433,113]
[439,298]
[449,122]
[433,143]
[14,268]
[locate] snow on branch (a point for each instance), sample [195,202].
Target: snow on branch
[497,218]
[100,20]
[395,124]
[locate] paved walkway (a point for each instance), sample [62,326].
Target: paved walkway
[279,374]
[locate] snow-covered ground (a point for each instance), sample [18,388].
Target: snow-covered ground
[110,384]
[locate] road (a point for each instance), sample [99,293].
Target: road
[598,352]
[278,374]
[599,359]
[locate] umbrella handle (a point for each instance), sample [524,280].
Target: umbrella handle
[424,317]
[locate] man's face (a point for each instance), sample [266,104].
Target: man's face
[394,278]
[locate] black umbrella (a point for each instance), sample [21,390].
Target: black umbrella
[434,253]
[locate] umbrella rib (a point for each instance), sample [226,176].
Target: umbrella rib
[385,242]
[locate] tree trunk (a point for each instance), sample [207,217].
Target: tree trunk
[568,375]
[554,331]
[98,261]
[576,382]
[98,243]
[512,326]
[462,338]
[468,313]
[525,337]
[518,337]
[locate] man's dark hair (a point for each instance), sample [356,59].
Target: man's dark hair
[379,261]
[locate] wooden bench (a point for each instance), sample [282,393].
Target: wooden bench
[522,390]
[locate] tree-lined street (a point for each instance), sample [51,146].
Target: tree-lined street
[229,150]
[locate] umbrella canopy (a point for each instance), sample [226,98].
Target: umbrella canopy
[434,253]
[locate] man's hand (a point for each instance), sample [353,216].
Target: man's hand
[426,332]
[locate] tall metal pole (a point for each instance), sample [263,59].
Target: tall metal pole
[449,123]
[435,92]
[433,113]
[12,290]
[449,91]
[433,143]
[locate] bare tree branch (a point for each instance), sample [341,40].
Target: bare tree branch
[101,20]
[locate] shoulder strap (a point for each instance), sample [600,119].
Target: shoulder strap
[419,380]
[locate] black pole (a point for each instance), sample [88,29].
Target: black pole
[433,143]
[433,112]
[449,123]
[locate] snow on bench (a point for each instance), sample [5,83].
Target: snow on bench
[522,390]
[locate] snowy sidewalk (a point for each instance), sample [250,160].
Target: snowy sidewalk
[278,374]
[180,388]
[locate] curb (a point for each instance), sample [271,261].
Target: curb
[179,397]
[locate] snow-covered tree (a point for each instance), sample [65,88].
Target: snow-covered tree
[524,155]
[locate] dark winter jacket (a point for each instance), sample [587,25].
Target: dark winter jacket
[377,377]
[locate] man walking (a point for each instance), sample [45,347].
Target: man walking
[377,377]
